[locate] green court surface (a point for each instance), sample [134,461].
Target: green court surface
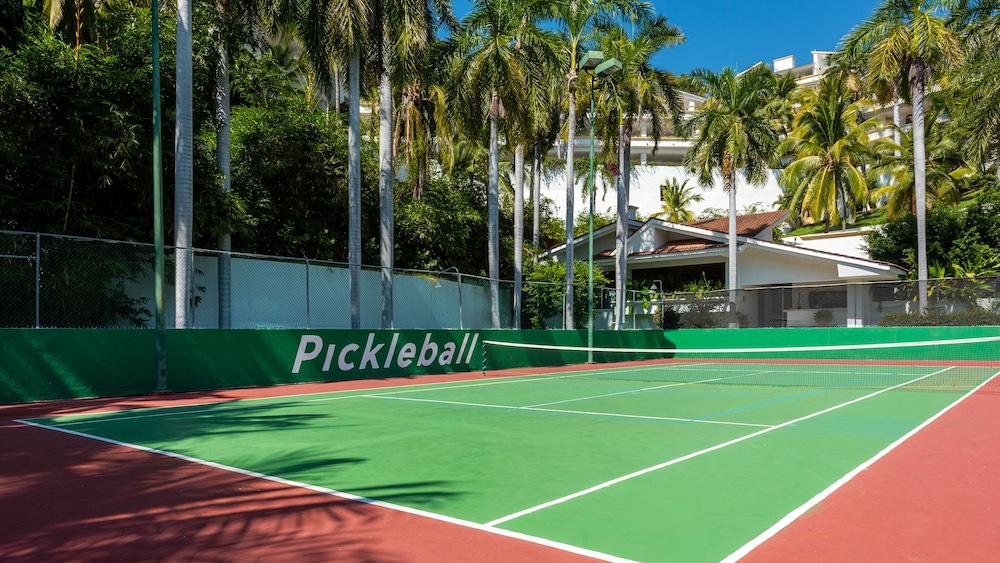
[683,461]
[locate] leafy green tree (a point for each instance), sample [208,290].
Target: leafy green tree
[491,74]
[733,135]
[944,170]
[975,84]
[677,198]
[829,144]
[639,91]
[11,21]
[959,241]
[404,31]
[903,44]
[544,294]
[600,220]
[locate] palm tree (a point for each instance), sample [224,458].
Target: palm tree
[237,23]
[537,122]
[421,123]
[829,146]
[944,165]
[904,42]
[404,29]
[544,91]
[577,18]
[492,72]
[733,135]
[976,85]
[677,198]
[332,32]
[183,169]
[639,92]
[73,19]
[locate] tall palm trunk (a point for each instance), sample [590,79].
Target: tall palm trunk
[897,120]
[183,170]
[536,197]
[570,193]
[385,190]
[336,87]
[222,157]
[493,213]
[917,82]
[731,280]
[621,231]
[518,230]
[354,186]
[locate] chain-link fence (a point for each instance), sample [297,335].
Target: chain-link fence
[952,301]
[62,281]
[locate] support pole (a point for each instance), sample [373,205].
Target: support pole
[590,233]
[158,261]
[38,280]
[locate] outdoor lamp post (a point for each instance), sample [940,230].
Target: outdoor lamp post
[593,61]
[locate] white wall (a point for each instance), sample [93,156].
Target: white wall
[645,192]
[272,294]
[850,245]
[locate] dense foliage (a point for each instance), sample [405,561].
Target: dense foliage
[75,151]
[959,241]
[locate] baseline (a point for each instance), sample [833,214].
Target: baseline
[341,494]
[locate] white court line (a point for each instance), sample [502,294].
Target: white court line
[644,389]
[698,453]
[773,349]
[592,413]
[522,379]
[795,514]
[344,495]
[415,388]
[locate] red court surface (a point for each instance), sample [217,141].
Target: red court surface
[934,498]
[68,498]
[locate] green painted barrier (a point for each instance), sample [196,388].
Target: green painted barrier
[762,338]
[47,364]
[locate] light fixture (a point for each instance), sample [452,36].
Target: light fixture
[591,59]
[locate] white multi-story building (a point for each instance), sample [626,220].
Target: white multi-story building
[787,282]
[655,161]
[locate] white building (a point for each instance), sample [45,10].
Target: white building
[781,284]
[651,169]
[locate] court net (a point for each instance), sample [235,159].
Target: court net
[947,365]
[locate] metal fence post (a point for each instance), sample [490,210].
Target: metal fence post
[38,280]
[461,321]
[308,312]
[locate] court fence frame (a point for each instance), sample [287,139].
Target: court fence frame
[60,281]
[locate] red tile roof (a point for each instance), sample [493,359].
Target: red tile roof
[686,245]
[746,225]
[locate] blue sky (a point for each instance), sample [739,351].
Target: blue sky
[739,33]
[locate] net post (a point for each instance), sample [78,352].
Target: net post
[483,355]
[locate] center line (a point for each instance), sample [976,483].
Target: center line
[646,389]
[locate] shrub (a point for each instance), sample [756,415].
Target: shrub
[969,317]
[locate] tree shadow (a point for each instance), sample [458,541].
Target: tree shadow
[69,498]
